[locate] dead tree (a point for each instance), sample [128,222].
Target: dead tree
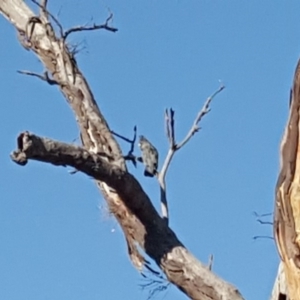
[287,203]
[101,157]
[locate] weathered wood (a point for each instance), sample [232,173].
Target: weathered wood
[102,158]
[287,204]
[279,291]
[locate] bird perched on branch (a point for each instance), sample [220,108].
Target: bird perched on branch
[149,157]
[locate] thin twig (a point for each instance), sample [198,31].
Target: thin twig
[262,215]
[262,237]
[264,222]
[44,77]
[210,262]
[259,216]
[130,156]
[205,110]
[72,172]
[121,137]
[154,284]
[93,27]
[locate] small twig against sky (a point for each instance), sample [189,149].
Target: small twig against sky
[262,237]
[210,262]
[264,222]
[90,28]
[260,216]
[154,284]
[173,146]
[205,110]
[77,48]
[257,215]
[44,77]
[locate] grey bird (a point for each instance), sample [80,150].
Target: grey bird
[149,157]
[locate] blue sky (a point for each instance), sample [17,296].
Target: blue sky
[57,239]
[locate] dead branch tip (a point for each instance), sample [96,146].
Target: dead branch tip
[173,146]
[105,26]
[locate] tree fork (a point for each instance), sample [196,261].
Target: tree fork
[131,206]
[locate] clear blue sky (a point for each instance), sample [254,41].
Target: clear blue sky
[57,240]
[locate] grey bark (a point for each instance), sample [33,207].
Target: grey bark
[101,158]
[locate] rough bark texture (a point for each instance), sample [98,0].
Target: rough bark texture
[102,158]
[287,205]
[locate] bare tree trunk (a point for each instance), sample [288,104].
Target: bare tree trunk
[102,158]
[287,205]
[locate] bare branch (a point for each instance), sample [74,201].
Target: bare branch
[130,156]
[44,77]
[259,220]
[143,228]
[257,215]
[32,147]
[90,28]
[210,262]
[77,48]
[262,237]
[169,253]
[264,222]
[154,286]
[173,147]
[205,110]
[125,138]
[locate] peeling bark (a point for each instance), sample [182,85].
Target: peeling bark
[287,204]
[101,157]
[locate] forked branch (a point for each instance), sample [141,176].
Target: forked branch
[173,146]
[130,156]
[142,226]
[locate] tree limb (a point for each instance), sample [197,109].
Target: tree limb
[126,199]
[173,147]
[169,253]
